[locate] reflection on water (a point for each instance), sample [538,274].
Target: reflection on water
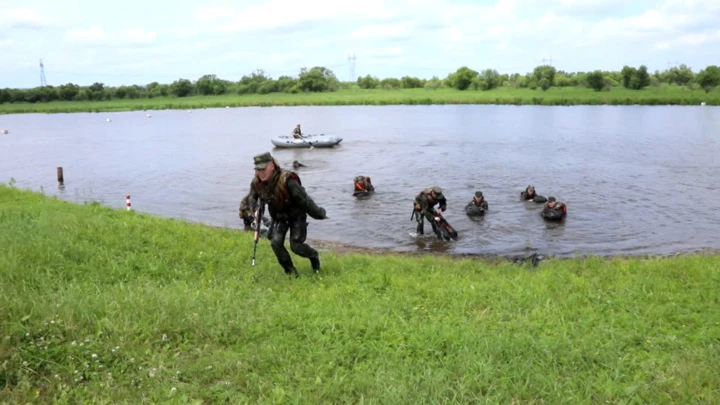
[635,179]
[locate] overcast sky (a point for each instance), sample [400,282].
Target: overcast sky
[138,42]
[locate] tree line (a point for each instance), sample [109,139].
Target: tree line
[321,79]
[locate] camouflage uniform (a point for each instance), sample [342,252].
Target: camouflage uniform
[288,205]
[473,208]
[247,214]
[297,132]
[423,208]
[363,186]
[525,195]
[556,213]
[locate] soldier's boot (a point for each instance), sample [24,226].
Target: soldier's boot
[315,263]
[419,230]
[290,271]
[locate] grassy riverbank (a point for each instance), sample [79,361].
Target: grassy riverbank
[663,95]
[110,306]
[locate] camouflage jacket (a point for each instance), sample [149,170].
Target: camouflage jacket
[363,183]
[285,197]
[483,205]
[423,205]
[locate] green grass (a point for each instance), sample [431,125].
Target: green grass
[663,95]
[108,306]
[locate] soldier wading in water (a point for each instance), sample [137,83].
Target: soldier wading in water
[289,205]
[423,209]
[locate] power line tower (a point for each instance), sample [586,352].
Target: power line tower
[549,61]
[43,83]
[351,61]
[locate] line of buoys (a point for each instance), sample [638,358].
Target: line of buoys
[4,131]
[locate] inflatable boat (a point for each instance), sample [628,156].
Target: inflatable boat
[307,141]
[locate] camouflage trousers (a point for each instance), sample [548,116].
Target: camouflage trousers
[298,233]
[420,217]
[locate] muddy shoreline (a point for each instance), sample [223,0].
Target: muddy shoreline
[340,248]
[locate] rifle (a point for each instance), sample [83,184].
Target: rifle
[447,231]
[258,223]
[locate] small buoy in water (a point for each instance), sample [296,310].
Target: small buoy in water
[148,115]
[227,106]
[108,120]
[4,131]
[702,103]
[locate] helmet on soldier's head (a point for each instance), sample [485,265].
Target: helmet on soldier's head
[478,194]
[551,198]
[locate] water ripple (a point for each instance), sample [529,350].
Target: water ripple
[636,179]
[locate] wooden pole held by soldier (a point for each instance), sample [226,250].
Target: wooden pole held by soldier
[60,178]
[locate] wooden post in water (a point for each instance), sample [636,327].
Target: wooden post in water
[60,178]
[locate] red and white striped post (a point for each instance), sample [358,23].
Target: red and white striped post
[127,202]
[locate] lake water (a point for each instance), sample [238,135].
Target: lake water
[636,179]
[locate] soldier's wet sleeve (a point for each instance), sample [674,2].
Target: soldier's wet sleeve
[303,200]
[443,204]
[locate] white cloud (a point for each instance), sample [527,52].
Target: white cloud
[231,57]
[282,57]
[588,7]
[5,43]
[213,13]
[448,36]
[23,18]
[689,40]
[96,36]
[386,31]
[383,52]
[275,14]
